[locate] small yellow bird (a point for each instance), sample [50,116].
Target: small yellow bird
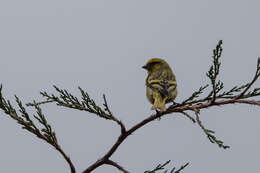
[161,86]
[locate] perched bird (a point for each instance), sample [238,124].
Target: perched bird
[161,86]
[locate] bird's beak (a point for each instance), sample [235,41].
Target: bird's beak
[145,67]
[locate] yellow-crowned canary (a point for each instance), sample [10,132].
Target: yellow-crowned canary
[161,86]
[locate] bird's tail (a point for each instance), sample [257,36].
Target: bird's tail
[159,102]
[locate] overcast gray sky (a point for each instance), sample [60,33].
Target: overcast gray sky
[101,45]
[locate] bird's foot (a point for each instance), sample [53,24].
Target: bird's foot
[175,103]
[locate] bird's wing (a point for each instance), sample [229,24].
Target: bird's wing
[164,87]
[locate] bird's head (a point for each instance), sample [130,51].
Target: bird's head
[155,64]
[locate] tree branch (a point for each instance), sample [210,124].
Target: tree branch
[177,108]
[46,133]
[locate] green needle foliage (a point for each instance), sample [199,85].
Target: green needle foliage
[237,92]
[161,167]
[210,133]
[232,91]
[194,95]
[68,100]
[212,74]
[214,70]
[46,133]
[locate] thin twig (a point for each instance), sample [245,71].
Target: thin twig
[249,85]
[112,163]
[188,116]
[181,168]
[72,168]
[120,123]
[41,136]
[46,133]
